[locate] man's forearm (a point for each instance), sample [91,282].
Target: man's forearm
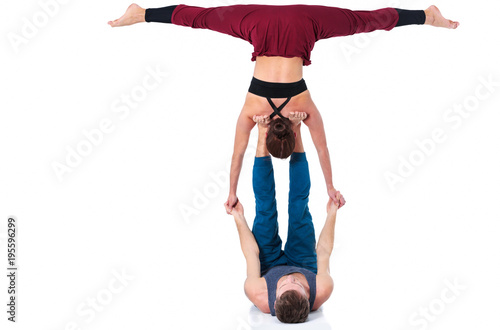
[326,238]
[247,240]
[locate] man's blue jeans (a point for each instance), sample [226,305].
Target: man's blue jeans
[300,247]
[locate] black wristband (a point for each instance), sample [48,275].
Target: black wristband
[159,15]
[408,17]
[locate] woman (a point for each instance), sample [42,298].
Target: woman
[283,38]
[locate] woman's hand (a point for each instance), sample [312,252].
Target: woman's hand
[332,206]
[231,202]
[336,196]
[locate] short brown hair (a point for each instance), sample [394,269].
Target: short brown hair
[292,307]
[280,139]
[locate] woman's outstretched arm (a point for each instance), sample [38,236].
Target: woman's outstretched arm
[315,124]
[243,128]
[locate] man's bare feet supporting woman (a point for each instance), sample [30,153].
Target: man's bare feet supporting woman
[262,124]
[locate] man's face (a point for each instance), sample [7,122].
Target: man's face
[290,282]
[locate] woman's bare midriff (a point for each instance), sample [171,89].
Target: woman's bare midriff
[278,69]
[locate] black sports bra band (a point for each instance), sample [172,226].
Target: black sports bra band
[277,110]
[271,90]
[276,90]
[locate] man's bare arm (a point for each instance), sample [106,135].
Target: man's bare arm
[324,248]
[255,286]
[327,235]
[248,244]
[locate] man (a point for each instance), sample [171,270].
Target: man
[293,282]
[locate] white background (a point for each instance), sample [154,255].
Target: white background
[119,209]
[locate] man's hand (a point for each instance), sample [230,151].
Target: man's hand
[237,210]
[337,198]
[231,202]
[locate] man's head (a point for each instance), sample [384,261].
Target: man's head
[280,139]
[292,304]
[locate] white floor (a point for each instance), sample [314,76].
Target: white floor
[256,320]
[115,147]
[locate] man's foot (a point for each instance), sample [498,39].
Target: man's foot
[263,124]
[134,14]
[433,17]
[297,117]
[262,121]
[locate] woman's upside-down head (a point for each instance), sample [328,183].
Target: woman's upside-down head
[280,139]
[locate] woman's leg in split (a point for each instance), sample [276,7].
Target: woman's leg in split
[300,247]
[434,17]
[431,16]
[134,14]
[345,22]
[336,22]
[223,19]
[265,226]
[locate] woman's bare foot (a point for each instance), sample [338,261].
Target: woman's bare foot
[433,17]
[134,14]
[297,117]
